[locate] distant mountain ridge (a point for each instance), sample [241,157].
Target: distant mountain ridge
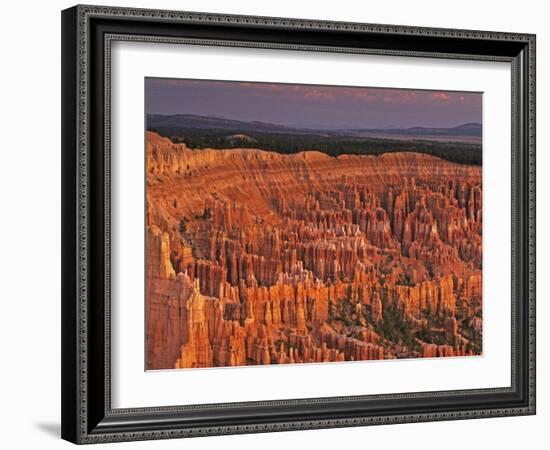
[192,121]
[466,129]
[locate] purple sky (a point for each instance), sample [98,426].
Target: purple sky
[302,105]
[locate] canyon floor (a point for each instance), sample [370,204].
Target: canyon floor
[255,257]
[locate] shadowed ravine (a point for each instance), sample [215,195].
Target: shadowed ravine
[255,257]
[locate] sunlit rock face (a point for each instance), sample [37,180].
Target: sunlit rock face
[255,257]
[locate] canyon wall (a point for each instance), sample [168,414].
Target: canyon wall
[255,257]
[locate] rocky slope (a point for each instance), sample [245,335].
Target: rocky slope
[255,257]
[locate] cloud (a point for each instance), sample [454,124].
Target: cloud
[441,96]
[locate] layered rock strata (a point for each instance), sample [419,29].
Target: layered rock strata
[256,257]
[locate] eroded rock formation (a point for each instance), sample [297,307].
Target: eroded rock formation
[256,257]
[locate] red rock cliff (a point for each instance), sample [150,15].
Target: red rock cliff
[256,257]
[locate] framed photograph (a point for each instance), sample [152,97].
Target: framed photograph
[283,224]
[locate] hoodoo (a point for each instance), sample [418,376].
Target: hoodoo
[256,257]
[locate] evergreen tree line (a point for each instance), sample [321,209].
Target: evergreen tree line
[331,144]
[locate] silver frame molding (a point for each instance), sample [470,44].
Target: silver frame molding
[88,33]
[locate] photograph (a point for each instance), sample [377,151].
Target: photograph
[302,223]
[280,225]
[278,219]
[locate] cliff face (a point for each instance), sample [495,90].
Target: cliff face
[255,257]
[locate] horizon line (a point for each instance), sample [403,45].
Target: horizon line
[314,127]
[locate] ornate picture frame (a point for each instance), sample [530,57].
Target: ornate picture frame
[88,33]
